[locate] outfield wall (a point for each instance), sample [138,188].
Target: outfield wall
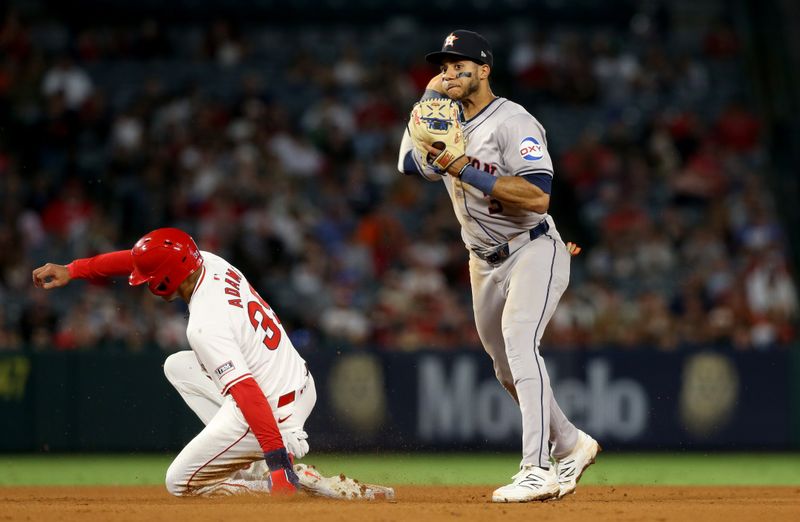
[707,399]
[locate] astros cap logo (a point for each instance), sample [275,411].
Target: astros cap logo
[450,40]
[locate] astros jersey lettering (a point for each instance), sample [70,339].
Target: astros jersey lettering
[236,335]
[503,140]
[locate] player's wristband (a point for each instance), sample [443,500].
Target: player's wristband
[478,178]
[277,459]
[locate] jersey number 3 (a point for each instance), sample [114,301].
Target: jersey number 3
[262,315]
[495,207]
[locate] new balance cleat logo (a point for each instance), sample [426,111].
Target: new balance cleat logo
[571,467]
[531,483]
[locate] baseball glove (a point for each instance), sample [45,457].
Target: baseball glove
[437,123]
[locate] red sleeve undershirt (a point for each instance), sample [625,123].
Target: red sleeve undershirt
[258,414]
[118,263]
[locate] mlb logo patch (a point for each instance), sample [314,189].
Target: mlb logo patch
[225,368]
[530,149]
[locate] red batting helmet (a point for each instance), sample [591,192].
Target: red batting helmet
[163,258]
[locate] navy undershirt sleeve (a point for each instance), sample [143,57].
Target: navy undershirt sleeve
[409,165]
[430,94]
[543,181]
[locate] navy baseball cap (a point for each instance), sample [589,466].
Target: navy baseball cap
[463,44]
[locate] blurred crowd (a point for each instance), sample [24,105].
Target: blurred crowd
[282,156]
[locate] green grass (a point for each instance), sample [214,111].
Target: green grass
[445,469]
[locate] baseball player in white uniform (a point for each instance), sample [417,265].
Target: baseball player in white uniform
[243,377]
[519,266]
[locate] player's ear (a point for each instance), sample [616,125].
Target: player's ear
[484,71]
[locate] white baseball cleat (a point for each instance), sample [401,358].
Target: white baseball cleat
[339,486]
[571,467]
[531,483]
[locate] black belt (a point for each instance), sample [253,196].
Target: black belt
[498,254]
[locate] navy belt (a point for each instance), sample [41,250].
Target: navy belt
[498,254]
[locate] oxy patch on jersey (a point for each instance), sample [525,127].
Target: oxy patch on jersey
[224,368]
[530,149]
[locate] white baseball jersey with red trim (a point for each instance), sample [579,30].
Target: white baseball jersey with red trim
[236,335]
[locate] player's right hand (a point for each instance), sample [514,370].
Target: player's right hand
[51,276]
[436,85]
[573,248]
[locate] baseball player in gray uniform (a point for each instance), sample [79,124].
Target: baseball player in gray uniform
[519,266]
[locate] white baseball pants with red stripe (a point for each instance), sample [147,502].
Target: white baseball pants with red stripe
[225,458]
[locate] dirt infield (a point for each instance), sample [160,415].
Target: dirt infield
[413,504]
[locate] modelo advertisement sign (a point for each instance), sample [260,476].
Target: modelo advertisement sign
[91,401]
[643,400]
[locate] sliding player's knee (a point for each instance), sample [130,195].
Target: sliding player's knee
[177,366]
[175,481]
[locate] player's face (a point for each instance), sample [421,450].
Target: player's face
[460,79]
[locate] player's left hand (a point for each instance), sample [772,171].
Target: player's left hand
[296,443]
[51,276]
[435,129]
[455,168]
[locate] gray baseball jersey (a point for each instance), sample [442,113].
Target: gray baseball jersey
[503,140]
[514,300]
